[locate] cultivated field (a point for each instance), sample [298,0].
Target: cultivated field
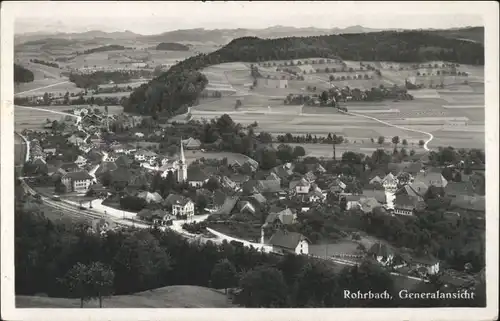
[178,296]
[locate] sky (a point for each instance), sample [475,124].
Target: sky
[157,17]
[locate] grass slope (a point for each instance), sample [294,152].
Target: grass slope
[177,296]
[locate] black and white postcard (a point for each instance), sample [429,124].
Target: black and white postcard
[279,160]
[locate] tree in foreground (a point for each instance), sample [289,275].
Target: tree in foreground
[264,287]
[101,280]
[224,275]
[77,281]
[90,281]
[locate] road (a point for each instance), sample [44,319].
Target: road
[35,89]
[431,137]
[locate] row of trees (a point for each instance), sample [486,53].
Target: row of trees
[97,78]
[46,63]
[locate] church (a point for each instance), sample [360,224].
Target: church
[177,167]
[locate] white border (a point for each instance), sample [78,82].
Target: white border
[489,12]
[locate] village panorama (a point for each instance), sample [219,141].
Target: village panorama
[278,167]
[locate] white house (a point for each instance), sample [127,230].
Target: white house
[183,206]
[77,181]
[430,265]
[139,135]
[390,183]
[81,161]
[289,242]
[300,187]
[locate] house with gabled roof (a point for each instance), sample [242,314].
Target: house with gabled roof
[289,242]
[389,182]
[407,205]
[150,197]
[192,143]
[376,180]
[196,176]
[337,186]
[228,205]
[431,179]
[181,206]
[301,186]
[368,204]
[280,219]
[81,161]
[310,177]
[381,253]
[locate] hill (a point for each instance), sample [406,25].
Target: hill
[22,74]
[177,296]
[474,34]
[173,46]
[172,91]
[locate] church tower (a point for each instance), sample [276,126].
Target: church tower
[182,168]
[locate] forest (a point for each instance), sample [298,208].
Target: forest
[22,75]
[181,85]
[104,48]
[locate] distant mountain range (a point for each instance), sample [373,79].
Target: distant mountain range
[224,36]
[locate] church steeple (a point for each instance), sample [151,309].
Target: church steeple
[182,167]
[182,160]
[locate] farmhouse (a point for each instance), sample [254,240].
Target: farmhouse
[431,179]
[81,161]
[77,181]
[191,143]
[150,197]
[301,186]
[289,242]
[406,205]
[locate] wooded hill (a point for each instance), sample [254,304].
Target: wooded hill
[180,85]
[22,74]
[172,46]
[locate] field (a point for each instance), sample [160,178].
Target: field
[178,296]
[454,115]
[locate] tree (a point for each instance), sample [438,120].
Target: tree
[381,140]
[336,140]
[224,275]
[101,279]
[395,141]
[298,151]
[46,99]
[212,184]
[421,143]
[264,287]
[265,137]
[77,279]
[405,142]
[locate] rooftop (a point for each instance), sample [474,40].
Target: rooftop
[288,240]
